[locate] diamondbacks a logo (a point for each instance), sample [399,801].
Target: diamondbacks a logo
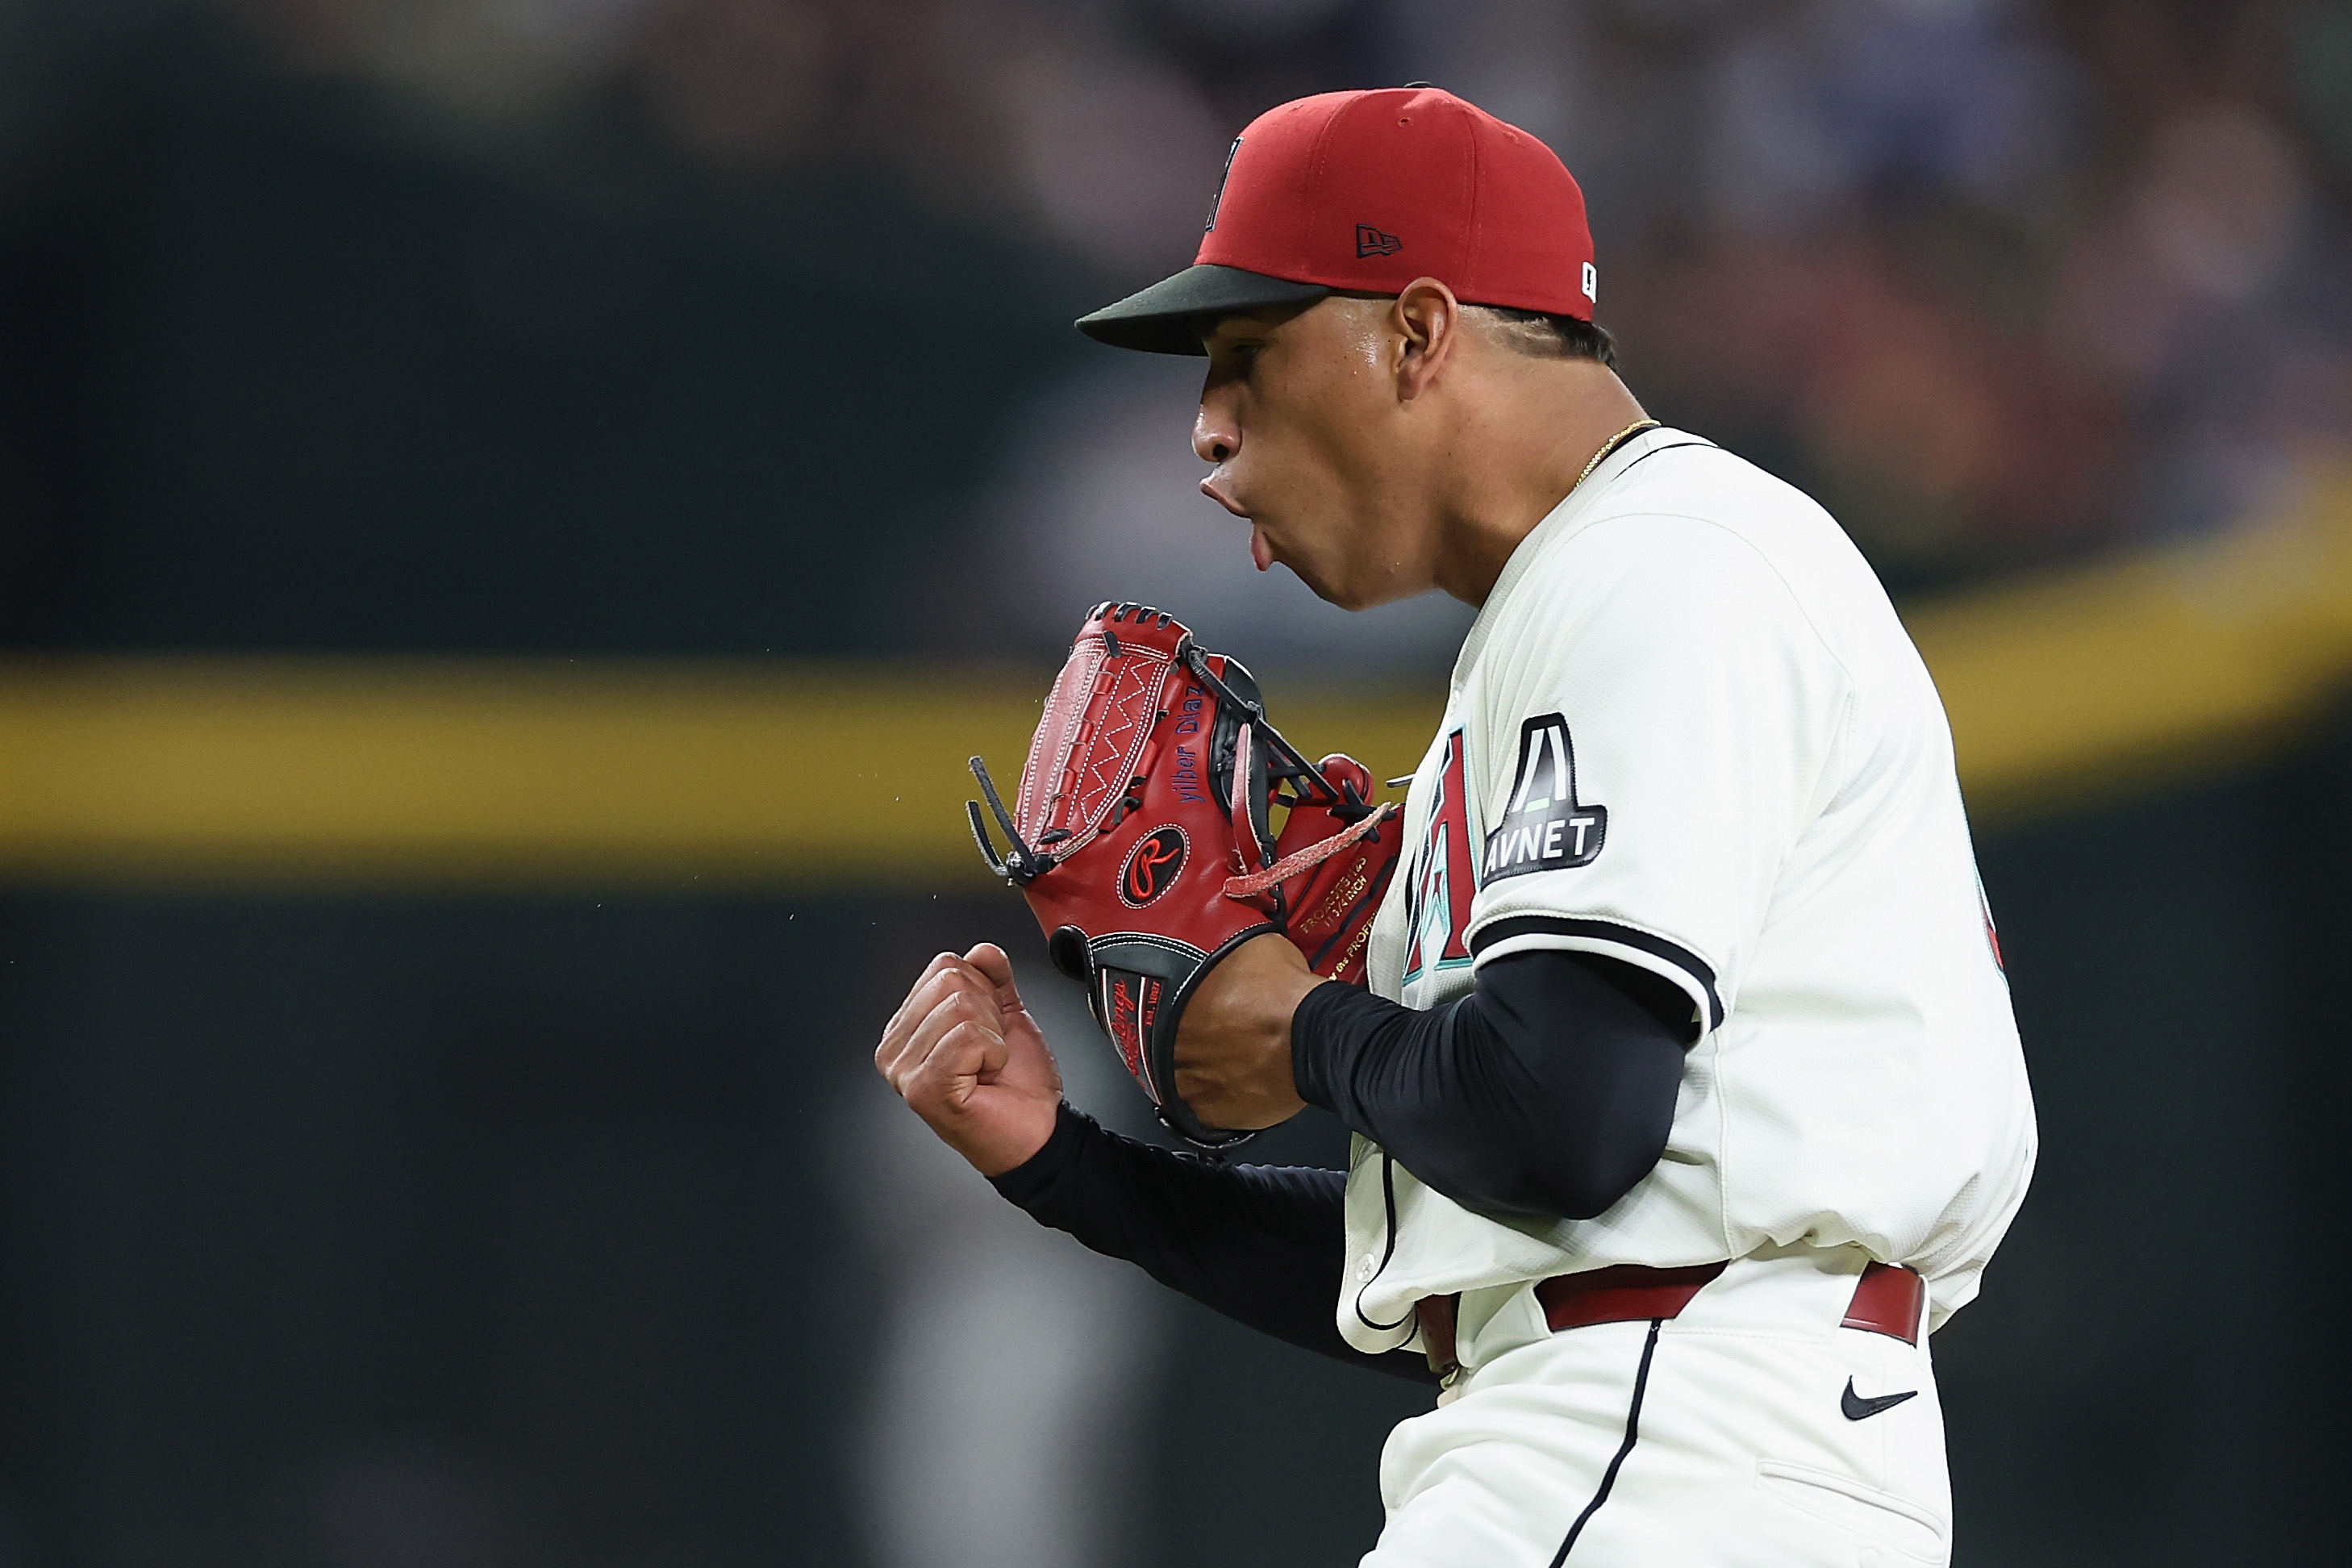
[1437,896]
[1151,866]
[1370,241]
[1545,828]
[1219,199]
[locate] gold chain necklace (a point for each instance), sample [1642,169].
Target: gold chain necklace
[1611,445]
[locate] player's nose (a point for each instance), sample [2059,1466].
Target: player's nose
[1216,434]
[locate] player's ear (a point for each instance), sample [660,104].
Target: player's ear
[1427,320]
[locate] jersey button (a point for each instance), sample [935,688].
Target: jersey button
[1368,1267]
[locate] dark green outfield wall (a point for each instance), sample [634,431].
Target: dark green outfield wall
[2155,1372]
[545,1200]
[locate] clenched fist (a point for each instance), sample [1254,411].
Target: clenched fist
[967,1057]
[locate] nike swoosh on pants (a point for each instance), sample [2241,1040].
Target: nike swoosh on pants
[1857,1408]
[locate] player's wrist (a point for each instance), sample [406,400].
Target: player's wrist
[1008,1144]
[1025,1178]
[1233,1048]
[1312,1038]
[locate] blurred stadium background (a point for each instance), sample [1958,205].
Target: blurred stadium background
[513,513]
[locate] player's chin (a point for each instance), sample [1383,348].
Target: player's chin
[1331,586]
[1336,588]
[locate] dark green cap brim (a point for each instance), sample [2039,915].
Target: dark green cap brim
[1173,315]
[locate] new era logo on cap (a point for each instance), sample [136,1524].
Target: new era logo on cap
[1219,199]
[1370,241]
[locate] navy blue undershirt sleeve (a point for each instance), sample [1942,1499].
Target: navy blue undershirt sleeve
[1549,1090]
[1261,1244]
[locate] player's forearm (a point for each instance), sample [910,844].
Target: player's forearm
[1262,1244]
[1549,1090]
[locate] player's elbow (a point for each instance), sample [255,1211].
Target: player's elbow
[1578,1174]
[1599,1176]
[1586,1166]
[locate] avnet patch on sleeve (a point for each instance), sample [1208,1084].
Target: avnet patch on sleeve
[1545,828]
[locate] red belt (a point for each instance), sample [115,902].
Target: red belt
[1888,1300]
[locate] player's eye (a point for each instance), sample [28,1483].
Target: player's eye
[1232,361]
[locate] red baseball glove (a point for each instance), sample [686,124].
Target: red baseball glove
[1141,837]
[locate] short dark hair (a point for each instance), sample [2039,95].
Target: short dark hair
[1554,337]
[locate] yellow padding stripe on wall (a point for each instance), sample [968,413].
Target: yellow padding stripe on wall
[387,773]
[2195,659]
[426,773]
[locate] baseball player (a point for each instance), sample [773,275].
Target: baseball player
[1686,1093]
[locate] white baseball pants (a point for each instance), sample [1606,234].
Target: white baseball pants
[1752,1431]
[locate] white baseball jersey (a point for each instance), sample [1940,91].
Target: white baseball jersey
[1687,732]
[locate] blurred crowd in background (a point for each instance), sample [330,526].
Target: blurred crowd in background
[2003,281]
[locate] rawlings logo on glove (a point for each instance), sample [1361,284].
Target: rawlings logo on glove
[1141,837]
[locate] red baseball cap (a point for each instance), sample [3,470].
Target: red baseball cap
[1365,192]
